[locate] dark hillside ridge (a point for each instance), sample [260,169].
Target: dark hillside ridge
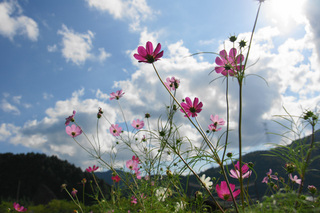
[38,178]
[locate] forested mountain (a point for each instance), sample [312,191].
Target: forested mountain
[263,162]
[38,178]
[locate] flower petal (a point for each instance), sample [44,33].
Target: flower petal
[233,53]
[149,48]
[157,50]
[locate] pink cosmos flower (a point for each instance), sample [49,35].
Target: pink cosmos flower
[74,192]
[269,176]
[116,178]
[73,130]
[115,129]
[244,169]
[137,124]
[95,168]
[213,128]
[295,179]
[191,108]
[172,83]
[215,119]
[19,208]
[134,200]
[147,55]
[224,193]
[228,64]
[116,95]
[70,118]
[138,174]
[132,164]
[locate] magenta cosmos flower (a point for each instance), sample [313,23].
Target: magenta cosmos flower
[229,64]
[191,108]
[269,176]
[295,179]
[73,130]
[115,129]
[147,55]
[137,124]
[70,118]
[19,208]
[224,193]
[236,173]
[116,178]
[116,95]
[93,169]
[172,83]
[134,200]
[74,192]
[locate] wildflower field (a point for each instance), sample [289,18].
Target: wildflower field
[150,180]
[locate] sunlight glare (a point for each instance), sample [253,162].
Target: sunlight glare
[286,14]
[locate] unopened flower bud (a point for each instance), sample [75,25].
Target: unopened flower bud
[312,189]
[169,173]
[242,43]
[275,187]
[147,115]
[251,165]
[290,167]
[198,195]
[174,107]
[229,154]
[233,38]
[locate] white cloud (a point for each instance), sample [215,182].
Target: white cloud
[47,96]
[16,99]
[133,11]
[77,47]
[103,54]
[52,48]
[13,22]
[7,107]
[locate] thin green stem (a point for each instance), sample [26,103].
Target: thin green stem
[228,114]
[240,142]
[124,118]
[216,156]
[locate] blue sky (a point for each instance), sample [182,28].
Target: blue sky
[57,56]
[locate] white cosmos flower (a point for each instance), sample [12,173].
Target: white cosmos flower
[161,193]
[206,181]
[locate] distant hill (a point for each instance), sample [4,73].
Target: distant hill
[262,164]
[38,178]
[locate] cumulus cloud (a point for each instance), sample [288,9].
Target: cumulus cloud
[289,67]
[13,22]
[128,10]
[77,47]
[8,107]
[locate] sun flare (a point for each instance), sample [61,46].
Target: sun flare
[286,14]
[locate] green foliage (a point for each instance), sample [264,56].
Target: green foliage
[286,202]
